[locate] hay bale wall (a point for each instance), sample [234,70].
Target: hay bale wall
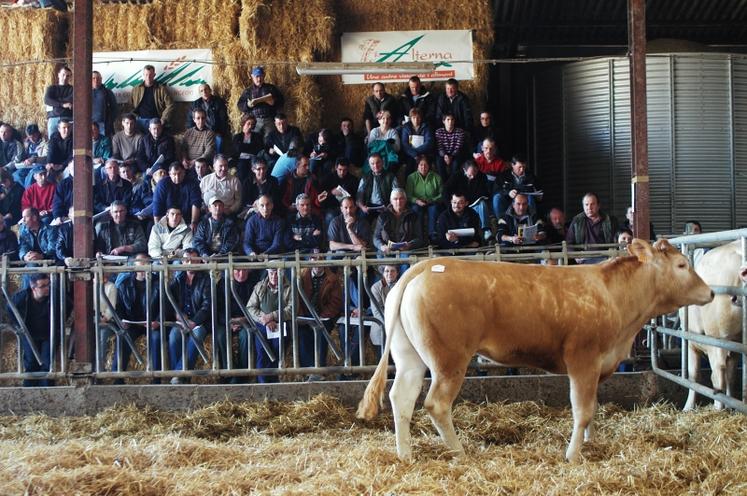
[241,33]
[30,35]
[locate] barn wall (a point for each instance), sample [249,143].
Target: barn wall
[697,110]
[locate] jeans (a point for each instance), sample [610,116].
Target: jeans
[483,211]
[31,365]
[52,125]
[432,211]
[306,344]
[175,347]
[143,124]
[122,348]
[446,171]
[262,361]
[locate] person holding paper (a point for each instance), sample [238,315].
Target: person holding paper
[514,181]
[157,146]
[518,226]
[417,139]
[338,185]
[459,226]
[282,138]
[476,188]
[262,100]
[375,187]
[263,308]
[398,229]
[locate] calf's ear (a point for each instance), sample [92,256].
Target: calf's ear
[641,250]
[663,245]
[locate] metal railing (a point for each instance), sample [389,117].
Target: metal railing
[688,245]
[220,361]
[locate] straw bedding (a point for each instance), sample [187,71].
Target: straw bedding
[318,447]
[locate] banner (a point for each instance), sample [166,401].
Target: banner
[450,51]
[181,70]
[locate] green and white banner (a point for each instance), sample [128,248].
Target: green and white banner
[450,51]
[181,70]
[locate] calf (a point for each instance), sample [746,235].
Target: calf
[721,318]
[579,321]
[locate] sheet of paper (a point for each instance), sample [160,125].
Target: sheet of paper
[463,233]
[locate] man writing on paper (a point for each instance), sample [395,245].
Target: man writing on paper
[519,227]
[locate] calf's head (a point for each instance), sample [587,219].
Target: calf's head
[676,284]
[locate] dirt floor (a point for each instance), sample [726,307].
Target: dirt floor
[318,447]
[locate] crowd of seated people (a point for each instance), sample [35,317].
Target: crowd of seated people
[421,174]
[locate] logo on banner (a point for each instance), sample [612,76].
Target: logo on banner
[182,73]
[442,48]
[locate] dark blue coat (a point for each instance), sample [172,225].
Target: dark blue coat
[184,195]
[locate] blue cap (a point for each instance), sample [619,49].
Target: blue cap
[258,71]
[32,129]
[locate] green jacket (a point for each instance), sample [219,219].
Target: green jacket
[164,102]
[426,188]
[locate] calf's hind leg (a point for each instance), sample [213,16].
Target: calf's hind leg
[408,381]
[441,395]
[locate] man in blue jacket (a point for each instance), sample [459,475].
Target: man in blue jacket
[176,190]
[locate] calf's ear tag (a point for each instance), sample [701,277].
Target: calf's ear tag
[438,268]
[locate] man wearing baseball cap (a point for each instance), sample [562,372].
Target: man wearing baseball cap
[216,234]
[262,100]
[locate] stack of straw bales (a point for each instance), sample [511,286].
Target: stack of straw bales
[29,35]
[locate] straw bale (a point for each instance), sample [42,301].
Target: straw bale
[391,15]
[122,26]
[22,93]
[317,447]
[194,24]
[286,29]
[33,34]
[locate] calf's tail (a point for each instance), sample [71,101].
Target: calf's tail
[373,397]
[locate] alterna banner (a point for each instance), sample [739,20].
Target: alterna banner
[181,70]
[450,51]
